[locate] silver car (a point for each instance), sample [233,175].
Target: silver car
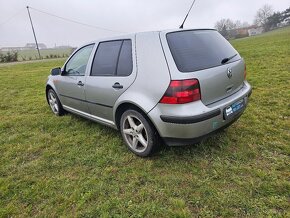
[173,86]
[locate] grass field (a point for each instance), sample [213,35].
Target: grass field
[67,166]
[26,55]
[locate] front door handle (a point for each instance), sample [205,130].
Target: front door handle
[117,86]
[80,83]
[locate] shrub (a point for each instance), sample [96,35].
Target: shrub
[9,56]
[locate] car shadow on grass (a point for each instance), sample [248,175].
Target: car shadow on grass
[213,143]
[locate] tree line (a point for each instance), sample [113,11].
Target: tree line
[265,18]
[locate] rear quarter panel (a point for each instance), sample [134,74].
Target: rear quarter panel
[153,76]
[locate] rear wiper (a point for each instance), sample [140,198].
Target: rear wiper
[225,60]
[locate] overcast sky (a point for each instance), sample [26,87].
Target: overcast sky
[119,15]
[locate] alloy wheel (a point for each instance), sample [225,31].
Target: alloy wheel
[135,133]
[53,102]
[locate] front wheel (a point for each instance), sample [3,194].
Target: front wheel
[139,134]
[54,103]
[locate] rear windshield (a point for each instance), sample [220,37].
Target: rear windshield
[199,49]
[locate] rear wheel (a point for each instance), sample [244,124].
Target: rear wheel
[139,134]
[54,103]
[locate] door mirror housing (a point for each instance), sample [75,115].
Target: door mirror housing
[56,71]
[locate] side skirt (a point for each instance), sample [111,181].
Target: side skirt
[91,117]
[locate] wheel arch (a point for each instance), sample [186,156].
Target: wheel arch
[51,86]
[48,87]
[121,108]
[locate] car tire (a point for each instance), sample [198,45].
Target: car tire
[54,103]
[138,133]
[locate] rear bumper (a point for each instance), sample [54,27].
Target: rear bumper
[189,123]
[189,141]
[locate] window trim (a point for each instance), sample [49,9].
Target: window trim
[64,73]
[119,53]
[117,64]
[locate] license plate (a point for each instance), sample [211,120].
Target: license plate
[234,109]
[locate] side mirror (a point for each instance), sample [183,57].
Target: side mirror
[56,71]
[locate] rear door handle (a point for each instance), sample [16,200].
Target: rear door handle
[117,86]
[80,83]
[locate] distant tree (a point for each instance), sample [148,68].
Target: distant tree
[224,31]
[224,24]
[238,24]
[277,18]
[286,16]
[262,16]
[273,21]
[225,27]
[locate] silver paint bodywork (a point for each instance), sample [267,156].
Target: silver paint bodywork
[199,129]
[153,69]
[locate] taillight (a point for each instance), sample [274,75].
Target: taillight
[245,72]
[181,92]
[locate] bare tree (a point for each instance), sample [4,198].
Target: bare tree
[238,24]
[225,27]
[224,23]
[262,15]
[219,25]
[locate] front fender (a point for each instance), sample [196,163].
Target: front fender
[50,83]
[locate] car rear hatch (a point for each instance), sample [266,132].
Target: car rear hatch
[206,56]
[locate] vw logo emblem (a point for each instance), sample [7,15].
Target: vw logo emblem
[230,73]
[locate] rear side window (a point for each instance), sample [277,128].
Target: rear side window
[125,64]
[113,58]
[199,49]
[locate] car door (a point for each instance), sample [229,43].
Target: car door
[70,85]
[113,71]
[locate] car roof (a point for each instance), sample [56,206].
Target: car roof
[132,35]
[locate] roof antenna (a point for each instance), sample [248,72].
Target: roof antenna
[181,27]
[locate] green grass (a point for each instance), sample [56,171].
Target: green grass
[68,166]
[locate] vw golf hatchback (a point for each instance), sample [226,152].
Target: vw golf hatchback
[172,86]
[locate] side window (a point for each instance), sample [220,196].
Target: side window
[113,58]
[106,58]
[125,64]
[78,63]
